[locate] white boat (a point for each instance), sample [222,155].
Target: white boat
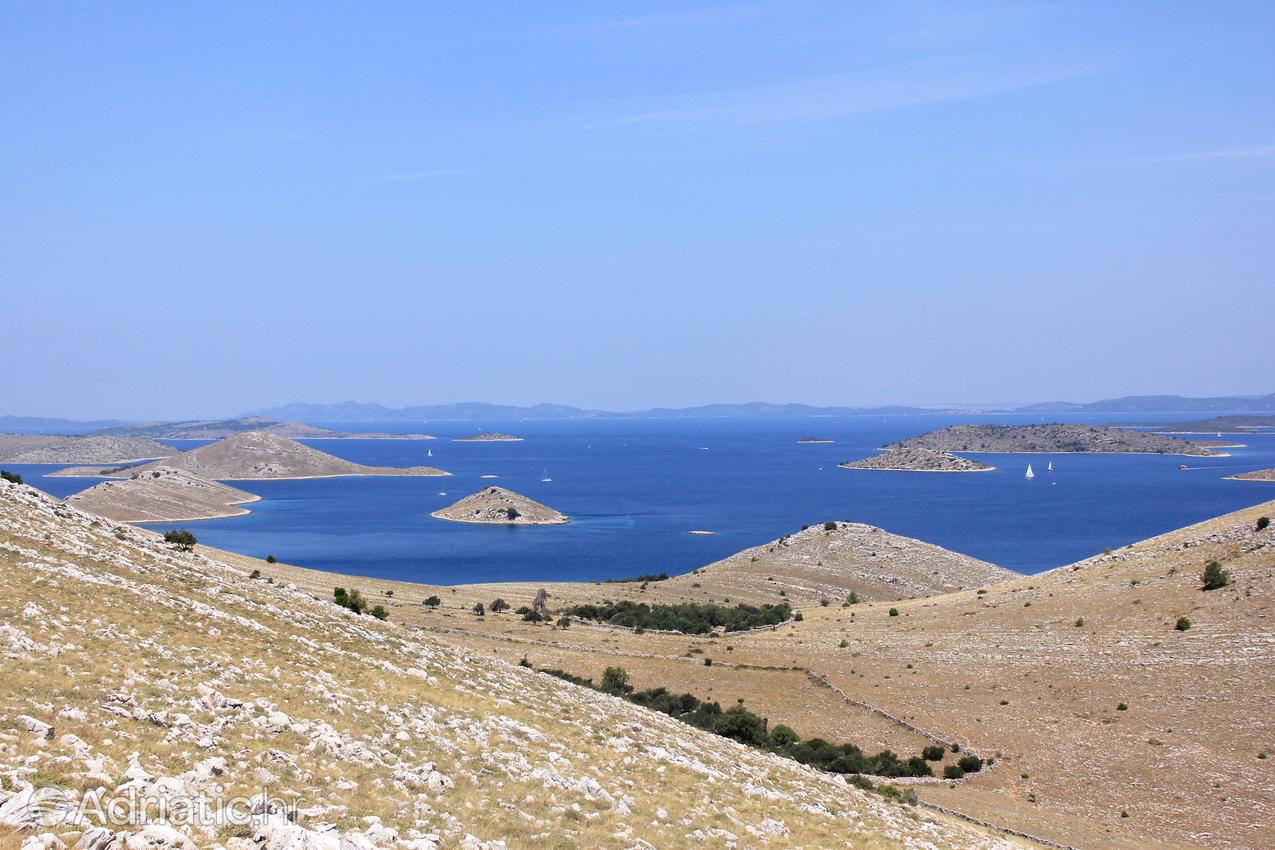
[442,492]
[545,478]
[1050,468]
[429,453]
[1030,474]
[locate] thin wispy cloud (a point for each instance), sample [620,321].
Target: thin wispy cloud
[1266,152]
[835,97]
[425,174]
[704,16]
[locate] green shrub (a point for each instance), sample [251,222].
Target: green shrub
[1122,707]
[642,579]
[255,574]
[564,622]
[180,539]
[829,526]
[740,724]
[11,477]
[782,736]
[1214,576]
[685,617]
[970,763]
[271,559]
[499,605]
[432,602]
[478,609]
[380,612]
[1182,624]
[853,598]
[894,612]
[1080,621]
[351,600]
[1262,521]
[934,752]
[953,771]
[615,681]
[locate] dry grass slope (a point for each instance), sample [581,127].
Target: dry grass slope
[130,666]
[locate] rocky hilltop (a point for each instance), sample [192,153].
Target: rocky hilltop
[162,494]
[255,455]
[217,429]
[135,672]
[91,449]
[828,563]
[1053,438]
[490,437]
[917,459]
[498,506]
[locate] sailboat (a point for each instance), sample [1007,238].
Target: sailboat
[429,453]
[1050,468]
[545,478]
[1030,474]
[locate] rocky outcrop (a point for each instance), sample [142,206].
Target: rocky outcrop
[1052,438]
[913,459]
[162,494]
[822,562]
[91,449]
[259,455]
[490,437]
[498,506]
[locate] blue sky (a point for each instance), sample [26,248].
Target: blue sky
[211,207]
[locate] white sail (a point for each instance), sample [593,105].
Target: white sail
[1030,474]
[429,453]
[1050,468]
[545,477]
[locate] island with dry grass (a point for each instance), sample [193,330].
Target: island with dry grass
[489,437]
[162,494]
[255,455]
[1052,439]
[917,459]
[47,449]
[498,506]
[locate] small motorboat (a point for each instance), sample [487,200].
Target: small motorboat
[1182,467]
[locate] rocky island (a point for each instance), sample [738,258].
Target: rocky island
[162,494]
[256,455]
[490,437]
[218,429]
[1051,438]
[916,459]
[1255,475]
[23,448]
[1214,425]
[498,506]
[815,440]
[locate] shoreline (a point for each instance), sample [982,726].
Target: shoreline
[904,469]
[439,515]
[240,512]
[1150,454]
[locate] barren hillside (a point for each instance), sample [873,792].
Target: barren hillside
[161,675]
[161,494]
[92,449]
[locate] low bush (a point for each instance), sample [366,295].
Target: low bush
[970,763]
[829,526]
[894,612]
[953,771]
[351,600]
[1182,624]
[934,753]
[687,617]
[1262,521]
[478,609]
[1214,576]
[11,477]
[432,602]
[380,612]
[271,559]
[642,579]
[499,605]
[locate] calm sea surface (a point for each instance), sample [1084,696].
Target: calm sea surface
[634,488]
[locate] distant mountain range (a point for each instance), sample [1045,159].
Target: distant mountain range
[353,411]
[45,425]
[1159,404]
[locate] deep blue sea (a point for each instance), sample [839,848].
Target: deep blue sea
[635,487]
